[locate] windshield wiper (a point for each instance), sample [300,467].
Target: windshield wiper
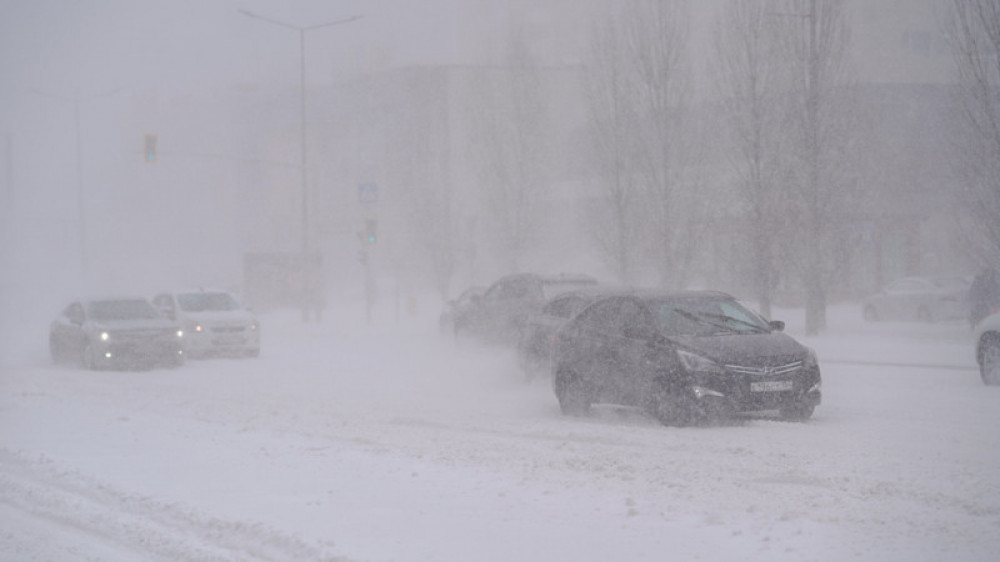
[702,318]
[725,318]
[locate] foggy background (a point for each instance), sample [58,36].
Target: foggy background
[476,125]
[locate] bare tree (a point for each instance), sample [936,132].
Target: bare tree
[423,159]
[815,48]
[751,78]
[656,36]
[614,220]
[510,142]
[973,27]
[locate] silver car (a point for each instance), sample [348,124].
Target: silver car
[925,299]
[214,322]
[116,332]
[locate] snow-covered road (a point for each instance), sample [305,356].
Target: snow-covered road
[348,441]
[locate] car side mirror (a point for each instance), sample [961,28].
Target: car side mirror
[777,325]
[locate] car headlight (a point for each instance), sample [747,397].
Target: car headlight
[698,364]
[105,336]
[180,333]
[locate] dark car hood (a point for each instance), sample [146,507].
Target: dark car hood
[745,349]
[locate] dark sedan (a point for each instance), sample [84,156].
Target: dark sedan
[684,357]
[500,315]
[534,348]
[115,333]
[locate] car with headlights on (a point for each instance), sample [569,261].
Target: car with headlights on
[117,332]
[684,357]
[987,342]
[215,323]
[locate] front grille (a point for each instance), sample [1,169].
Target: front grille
[139,336]
[228,329]
[769,371]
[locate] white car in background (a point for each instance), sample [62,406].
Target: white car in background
[924,299]
[214,322]
[988,349]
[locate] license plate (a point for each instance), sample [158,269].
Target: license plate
[771,386]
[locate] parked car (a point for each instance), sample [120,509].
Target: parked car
[215,322]
[455,307]
[684,357]
[534,348]
[927,299]
[115,332]
[500,314]
[987,338]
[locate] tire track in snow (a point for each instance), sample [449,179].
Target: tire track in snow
[151,529]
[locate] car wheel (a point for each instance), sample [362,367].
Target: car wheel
[797,412]
[870,314]
[574,398]
[989,363]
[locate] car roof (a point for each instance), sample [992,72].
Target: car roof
[196,290]
[111,298]
[653,294]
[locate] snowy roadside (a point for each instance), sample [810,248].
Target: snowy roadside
[388,442]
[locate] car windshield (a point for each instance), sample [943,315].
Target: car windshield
[704,317]
[135,309]
[199,302]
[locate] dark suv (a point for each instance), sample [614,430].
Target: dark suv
[684,357]
[501,314]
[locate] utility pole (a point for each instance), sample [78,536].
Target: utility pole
[309,273]
[80,192]
[302,107]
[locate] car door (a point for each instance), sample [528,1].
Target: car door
[582,348]
[630,341]
[502,308]
[68,330]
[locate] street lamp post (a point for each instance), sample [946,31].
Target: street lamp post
[302,100]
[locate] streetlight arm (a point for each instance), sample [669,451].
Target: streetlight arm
[338,22]
[296,27]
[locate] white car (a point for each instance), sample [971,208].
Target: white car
[925,299]
[214,322]
[988,349]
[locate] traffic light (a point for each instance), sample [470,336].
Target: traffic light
[371,230]
[149,152]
